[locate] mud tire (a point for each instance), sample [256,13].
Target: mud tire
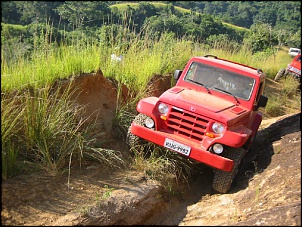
[223,180]
[280,74]
[133,140]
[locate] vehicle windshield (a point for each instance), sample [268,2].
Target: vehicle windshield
[220,80]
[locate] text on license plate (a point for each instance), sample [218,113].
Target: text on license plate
[178,147]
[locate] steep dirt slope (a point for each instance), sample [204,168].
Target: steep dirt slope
[269,193]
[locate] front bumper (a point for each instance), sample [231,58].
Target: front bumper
[196,153]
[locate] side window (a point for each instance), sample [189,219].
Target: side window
[191,72]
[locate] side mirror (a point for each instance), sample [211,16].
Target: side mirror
[177,74]
[262,101]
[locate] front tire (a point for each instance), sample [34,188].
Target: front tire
[280,74]
[133,140]
[223,180]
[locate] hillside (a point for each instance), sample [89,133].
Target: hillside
[123,7]
[268,191]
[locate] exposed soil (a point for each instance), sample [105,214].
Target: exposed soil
[268,190]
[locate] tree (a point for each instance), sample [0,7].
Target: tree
[9,12]
[36,11]
[260,37]
[267,15]
[80,13]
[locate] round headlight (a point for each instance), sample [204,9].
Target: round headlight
[149,122]
[217,127]
[163,108]
[217,148]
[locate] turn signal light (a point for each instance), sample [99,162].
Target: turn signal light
[163,117]
[211,135]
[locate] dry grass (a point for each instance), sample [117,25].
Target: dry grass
[283,97]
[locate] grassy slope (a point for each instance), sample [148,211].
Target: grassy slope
[123,6]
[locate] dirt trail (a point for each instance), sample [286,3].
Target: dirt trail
[268,191]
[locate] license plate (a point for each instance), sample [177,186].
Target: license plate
[178,147]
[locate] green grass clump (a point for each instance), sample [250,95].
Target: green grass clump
[273,108]
[161,164]
[11,113]
[47,129]
[50,130]
[285,101]
[290,87]
[45,67]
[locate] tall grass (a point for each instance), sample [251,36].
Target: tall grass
[143,55]
[147,57]
[287,101]
[48,130]
[11,113]
[44,68]
[51,131]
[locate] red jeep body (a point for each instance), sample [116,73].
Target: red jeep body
[295,66]
[293,69]
[213,106]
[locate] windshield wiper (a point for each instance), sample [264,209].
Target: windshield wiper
[196,82]
[227,92]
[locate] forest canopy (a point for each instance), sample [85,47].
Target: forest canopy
[258,24]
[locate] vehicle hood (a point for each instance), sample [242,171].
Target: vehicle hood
[196,101]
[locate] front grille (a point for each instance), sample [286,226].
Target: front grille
[294,70]
[186,123]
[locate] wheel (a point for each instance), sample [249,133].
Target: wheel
[133,140]
[223,180]
[280,74]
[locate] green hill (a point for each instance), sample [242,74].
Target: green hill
[159,5]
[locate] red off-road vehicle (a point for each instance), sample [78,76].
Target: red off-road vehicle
[293,69]
[211,115]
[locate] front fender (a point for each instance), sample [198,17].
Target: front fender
[146,106]
[236,136]
[254,127]
[256,123]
